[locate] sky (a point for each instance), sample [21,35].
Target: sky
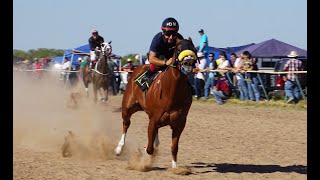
[131,24]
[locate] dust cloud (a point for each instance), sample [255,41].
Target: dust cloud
[43,119]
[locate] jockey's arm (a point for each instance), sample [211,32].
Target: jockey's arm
[156,61]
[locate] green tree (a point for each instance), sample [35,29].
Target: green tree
[38,53]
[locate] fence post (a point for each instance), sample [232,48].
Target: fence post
[264,90]
[298,82]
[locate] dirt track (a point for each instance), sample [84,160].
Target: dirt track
[218,142]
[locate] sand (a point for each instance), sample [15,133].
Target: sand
[55,140]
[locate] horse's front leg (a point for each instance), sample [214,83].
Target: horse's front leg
[152,133]
[128,108]
[106,93]
[95,89]
[176,132]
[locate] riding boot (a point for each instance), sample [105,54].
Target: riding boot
[147,76]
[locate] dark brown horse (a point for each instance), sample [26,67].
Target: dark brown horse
[99,76]
[167,101]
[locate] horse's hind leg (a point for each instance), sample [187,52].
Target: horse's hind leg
[129,108]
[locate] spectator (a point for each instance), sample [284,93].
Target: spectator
[222,58]
[117,77]
[200,76]
[111,67]
[203,43]
[25,65]
[224,62]
[80,72]
[38,66]
[129,67]
[242,85]
[83,64]
[247,65]
[221,91]
[147,59]
[290,86]
[65,67]
[35,60]
[95,42]
[254,80]
[235,60]
[210,82]
[140,59]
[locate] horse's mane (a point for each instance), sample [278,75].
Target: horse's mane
[184,44]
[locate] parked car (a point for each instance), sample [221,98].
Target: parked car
[274,83]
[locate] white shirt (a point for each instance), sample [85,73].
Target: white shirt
[201,66]
[223,64]
[237,62]
[66,65]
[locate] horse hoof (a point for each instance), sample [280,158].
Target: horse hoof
[117,151]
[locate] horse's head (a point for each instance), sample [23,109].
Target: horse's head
[185,56]
[106,48]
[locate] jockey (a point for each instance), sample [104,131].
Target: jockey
[162,47]
[95,42]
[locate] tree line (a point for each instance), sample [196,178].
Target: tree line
[51,53]
[38,53]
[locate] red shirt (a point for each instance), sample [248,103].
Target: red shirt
[222,85]
[38,66]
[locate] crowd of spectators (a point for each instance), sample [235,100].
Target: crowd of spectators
[213,78]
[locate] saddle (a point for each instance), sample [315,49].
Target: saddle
[145,83]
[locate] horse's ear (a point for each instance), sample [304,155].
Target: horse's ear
[189,38]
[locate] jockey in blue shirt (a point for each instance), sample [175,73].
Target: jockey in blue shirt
[162,47]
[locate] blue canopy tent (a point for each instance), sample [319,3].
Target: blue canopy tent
[58,59]
[74,54]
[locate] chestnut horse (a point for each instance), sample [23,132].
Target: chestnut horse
[99,76]
[167,101]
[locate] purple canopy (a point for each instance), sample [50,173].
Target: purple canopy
[272,48]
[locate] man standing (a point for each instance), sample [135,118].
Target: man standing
[290,86]
[210,82]
[199,78]
[203,44]
[65,68]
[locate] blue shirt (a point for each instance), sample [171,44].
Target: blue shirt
[160,47]
[212,64]
[204,39]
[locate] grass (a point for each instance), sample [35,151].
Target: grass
[273,103]
[302,105]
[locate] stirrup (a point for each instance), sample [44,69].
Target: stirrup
[143,81]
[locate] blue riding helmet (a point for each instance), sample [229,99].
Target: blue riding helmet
[170,24]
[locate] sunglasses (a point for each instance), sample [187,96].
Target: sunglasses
[169,33]
[210,56]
